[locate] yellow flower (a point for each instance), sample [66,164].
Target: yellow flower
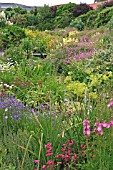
[105,78]
[110,74]
[93,95]
[77,88]
[88,71]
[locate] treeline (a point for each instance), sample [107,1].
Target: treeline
[61,16]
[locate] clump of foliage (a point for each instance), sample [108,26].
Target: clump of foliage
[99,17]
[81,9]
[107,4]
[56,112]
[12,35]
[110,24]
[77,23]
[64,15]
[104,16]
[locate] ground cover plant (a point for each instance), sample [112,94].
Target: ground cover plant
[56,112]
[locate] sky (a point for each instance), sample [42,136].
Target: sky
[47,2]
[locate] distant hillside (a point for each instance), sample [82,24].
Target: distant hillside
[12,5]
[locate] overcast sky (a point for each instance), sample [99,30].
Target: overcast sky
[47,2]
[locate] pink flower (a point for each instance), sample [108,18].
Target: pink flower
[110,104]
[111,123]
[60,156]
[86,130]
[75,157]
[49,150]
[83,146]
[48,146]
[49,163]
[59,163]
[49,154]
[44,167]
[70,142]
[64,145]
[98,129]
[83,154]
[107,125]
[104,124]
[36,161]
[63,149]
[69,151]
[67,158]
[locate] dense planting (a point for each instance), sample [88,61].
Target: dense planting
[57,111]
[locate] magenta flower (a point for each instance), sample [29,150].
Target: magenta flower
[75,157]
[83,146]
[59,163]
[106,125]
[98,128]
[63,149]
[49,163]
[111,123]
[44,167]
[49,150]
[86,130]
[64,145]
[67,157]
[60,156]
[36,161]
[48,146]
[70,142]
[110,104]
[49,154]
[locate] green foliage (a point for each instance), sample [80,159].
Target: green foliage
[12,35]
[9,12]
[104,16]
[59,96]
[45,18]
[19,20]
[32,20]
[78,24]
[107,4]
[66,8]
[98,16]
[63,20]
[88,17]
[110,24]
[64,15]
[20,10]
[14,55]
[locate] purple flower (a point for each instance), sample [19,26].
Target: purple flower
[14,109]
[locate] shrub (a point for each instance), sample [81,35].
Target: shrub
[12,35]
[110,24]
[77,23]
[64,15]
[88,18]
[107,4]
[81,9]
[104,16]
